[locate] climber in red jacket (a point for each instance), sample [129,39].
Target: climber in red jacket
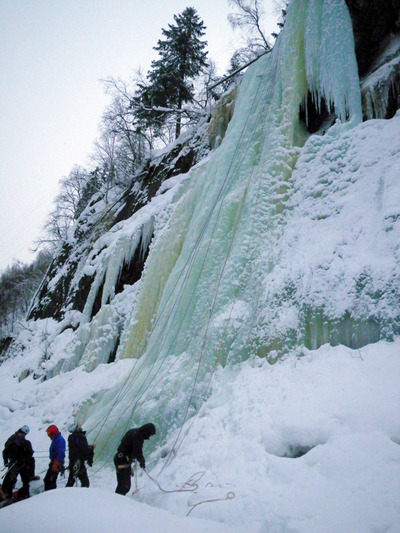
[57,456]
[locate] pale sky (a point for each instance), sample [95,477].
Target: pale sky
[53,54]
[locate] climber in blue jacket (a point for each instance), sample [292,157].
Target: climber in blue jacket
[57,456]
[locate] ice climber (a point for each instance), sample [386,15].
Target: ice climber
[57,455]
[18,457]
[131,448]
[79,451]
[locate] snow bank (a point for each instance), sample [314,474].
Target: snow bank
[95,511]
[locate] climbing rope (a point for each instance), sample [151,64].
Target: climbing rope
[175,448]
[187,268]
[191,485]
[229,496]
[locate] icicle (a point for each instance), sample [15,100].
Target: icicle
[377,86]
[147,233]
[122,253]
[94,289]
[332,71]
[312,38]
[101,338]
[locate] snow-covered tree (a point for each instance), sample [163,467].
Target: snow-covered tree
[169,83]
[249,14]
[18,284]
[67,207]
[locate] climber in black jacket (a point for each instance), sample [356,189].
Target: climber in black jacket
[131,448]
[18,457]
[79,451]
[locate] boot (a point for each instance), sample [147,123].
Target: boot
[22,493]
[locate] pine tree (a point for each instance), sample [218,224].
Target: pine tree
[170,80]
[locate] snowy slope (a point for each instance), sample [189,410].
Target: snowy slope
[341,406]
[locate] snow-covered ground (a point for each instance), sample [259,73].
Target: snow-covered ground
[95,511]
[242,453]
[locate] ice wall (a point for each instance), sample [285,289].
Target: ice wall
[218,232]
[202,296]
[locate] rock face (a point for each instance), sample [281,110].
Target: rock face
[61,288]
[373,20]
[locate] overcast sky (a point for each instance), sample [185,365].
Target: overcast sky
[53,54]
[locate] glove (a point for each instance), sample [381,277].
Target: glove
[54,466]
[90,462]
[6,463]
[142,464]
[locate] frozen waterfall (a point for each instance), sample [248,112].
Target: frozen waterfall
[207,291]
